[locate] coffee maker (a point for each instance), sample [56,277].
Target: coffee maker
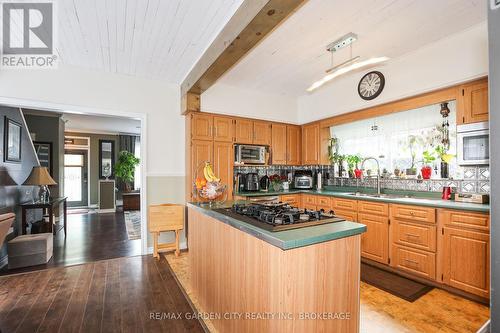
[264,183]
[252,182]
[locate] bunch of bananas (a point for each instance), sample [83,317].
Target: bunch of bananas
[208,172]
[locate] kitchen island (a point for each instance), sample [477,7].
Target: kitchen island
[252,280]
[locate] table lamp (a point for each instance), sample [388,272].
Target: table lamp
[39,176]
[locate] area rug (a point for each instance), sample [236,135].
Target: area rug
[399,286]
[133,224]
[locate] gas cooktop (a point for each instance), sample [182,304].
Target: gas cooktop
[278,216]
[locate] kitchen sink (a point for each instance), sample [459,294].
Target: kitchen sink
[375,195]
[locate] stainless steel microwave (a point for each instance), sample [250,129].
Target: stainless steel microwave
[250,154]
[473,144]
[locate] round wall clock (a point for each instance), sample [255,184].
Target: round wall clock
[371,85]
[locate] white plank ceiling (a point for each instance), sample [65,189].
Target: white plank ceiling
[158,39]
[294,55]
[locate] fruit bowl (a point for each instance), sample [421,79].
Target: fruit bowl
[207,187]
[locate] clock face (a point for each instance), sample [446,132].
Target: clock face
[371,85]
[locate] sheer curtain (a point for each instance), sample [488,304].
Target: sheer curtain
[387,137]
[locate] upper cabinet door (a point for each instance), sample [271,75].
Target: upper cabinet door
[473,104]
[278,144]
[310,144]
[244,131]
[202,126]
[261,133]
[223,129]
[293,145]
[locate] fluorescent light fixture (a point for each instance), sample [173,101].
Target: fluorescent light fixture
[346,69]
[345,63]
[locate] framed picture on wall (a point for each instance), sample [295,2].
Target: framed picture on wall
[106,159]
[12,140]
[44,152]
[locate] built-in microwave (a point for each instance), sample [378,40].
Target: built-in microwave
[473,144]
[250,154]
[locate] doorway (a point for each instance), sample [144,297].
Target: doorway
[76,177]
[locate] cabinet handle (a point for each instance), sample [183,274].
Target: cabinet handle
[412,261]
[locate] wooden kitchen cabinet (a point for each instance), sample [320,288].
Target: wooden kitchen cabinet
[201,152]
[466,260]
[201,126]
[417,262]
[310,144]
[223,129]
[262,133]
[223,164]
[293,145]
[279,144]
[473,103]
[309,201]
[293,200]
[375,241]
[244,131]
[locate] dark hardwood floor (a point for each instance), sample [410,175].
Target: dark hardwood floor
[117,295]
[91,237]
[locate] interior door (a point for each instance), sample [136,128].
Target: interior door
[76,177]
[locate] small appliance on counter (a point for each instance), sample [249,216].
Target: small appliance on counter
[472,198]
[240,181]
[252,182]
[303,179]
[264,183]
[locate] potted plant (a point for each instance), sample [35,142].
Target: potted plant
[445,158]
[412,143]
[427,158]
[352,164]
[334,156]
[125,168]
[276,181]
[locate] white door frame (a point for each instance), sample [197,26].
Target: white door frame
[59,108]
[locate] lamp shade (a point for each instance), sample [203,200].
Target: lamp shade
[39,176]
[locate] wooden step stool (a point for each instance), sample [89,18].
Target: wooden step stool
[165,217]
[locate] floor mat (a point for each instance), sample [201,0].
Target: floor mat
[133,224]
[399,286]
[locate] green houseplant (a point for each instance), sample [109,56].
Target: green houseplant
[352,163]
[125,167]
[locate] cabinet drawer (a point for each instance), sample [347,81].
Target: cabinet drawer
[347,215]
[292,200]
[310,199]
[323,201]
[414,213]
[418,262]
[415,235]
[462,219]
[369,207]
[344,204]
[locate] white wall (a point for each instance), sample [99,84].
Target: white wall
[457,58]
[90,91]
[230,100]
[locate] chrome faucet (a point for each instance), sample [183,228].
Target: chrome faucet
[378,171]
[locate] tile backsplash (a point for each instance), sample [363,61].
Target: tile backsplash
[476,179]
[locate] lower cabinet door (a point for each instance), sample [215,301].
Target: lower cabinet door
[375,241]
[414,261]
[348,215]
[466,260]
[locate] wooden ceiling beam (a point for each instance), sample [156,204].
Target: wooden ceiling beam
[249,25]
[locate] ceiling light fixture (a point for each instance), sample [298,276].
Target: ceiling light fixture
[351,64]
[346,69]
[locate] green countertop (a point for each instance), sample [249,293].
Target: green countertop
[288,239]
[429,202]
